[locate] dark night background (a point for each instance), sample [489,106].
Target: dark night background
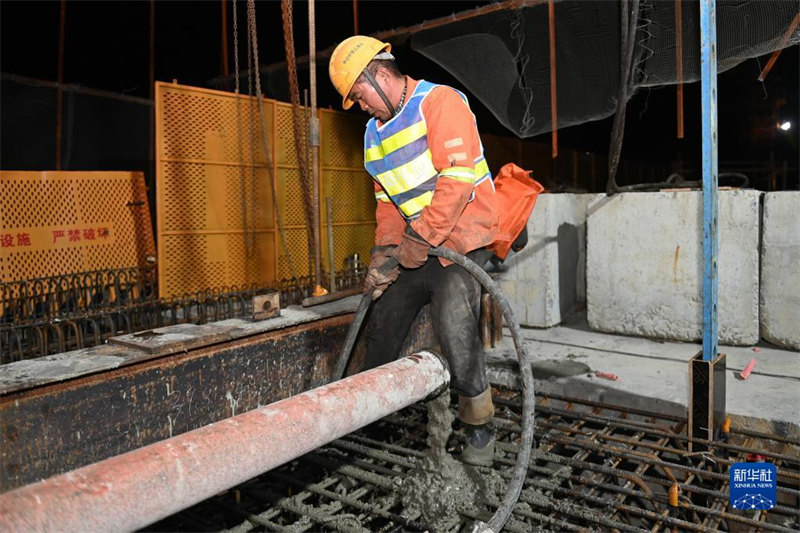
[107,47]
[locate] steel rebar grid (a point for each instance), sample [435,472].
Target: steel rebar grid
[46,316]
[580,477]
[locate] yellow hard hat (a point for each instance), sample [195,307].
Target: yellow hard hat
[349,60]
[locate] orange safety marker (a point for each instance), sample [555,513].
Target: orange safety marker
[674,493]
[749,368]
[606,375]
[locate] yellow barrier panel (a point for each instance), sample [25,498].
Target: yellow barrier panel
[216,222]
[54,223]
[344,179]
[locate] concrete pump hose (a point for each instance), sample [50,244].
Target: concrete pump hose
[502,513]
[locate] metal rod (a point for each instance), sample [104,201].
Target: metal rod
[551,18]
[651,445]
[355,17]
[679,62]
[59,92]
[314,142]
[776,53]
[708,72]
[151,149]
[4,76]
[584,445]
[309,173]
[224,38]
[428,24]
[330,297]
[331,260]
[653,430]
[132,490]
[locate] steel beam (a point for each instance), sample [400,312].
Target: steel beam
[133,490]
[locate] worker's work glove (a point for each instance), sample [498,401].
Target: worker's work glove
[380,274]
[413,249]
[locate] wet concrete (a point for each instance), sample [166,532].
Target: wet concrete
[439,486]
[555,368]
[444,490]
[504,370]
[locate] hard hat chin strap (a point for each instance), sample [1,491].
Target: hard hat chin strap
[371,79]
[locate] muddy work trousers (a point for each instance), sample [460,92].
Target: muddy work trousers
[454,296]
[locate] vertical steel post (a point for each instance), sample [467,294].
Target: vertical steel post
[314,143]
[331,256]
[707,368]
[708,70]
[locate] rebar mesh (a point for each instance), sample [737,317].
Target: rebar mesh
[595,467]
[56,314]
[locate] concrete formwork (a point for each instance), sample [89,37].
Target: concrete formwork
[644,265]
[780,269]
[546,281]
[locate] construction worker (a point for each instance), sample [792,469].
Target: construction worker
[433,188]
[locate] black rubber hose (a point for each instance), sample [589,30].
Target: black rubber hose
[502,513]
[352,335]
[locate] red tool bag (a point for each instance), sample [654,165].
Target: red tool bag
[515,195]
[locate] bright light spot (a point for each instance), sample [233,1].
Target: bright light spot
[786,126]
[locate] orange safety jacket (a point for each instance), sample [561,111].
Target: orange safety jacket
[443,189]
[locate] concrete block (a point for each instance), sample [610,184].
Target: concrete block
[645,272]
[780,269]
[546,281]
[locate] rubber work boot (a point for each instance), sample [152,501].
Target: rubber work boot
[478,410]
[479,449]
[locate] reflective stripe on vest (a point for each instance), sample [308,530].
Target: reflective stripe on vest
[398,158]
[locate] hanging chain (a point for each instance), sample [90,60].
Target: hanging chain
[253,39]
[252,110]
[299,133]
[242,178]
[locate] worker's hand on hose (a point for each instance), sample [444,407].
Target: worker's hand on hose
[378,277]
[413,249]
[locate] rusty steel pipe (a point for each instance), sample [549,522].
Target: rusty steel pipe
[138,488]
